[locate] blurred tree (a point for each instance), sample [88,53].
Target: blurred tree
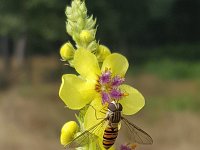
[21,20]
[4,49]
[31,26]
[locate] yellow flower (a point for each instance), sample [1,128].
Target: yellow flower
[99,86]
[68,132]
[103,85]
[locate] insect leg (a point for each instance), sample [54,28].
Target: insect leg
[95,112]
[105,109]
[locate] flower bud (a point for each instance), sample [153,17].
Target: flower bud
[67,51]
[68,131]
[92,46]
[86,36]
[102,53]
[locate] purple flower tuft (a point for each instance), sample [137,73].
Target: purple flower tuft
[124,147]
[105,77]
[105,97]
[116,94]
[109,86]
[117,81]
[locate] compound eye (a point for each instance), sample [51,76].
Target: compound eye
[112,107]
[120,107]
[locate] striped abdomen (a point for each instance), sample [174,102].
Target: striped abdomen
[110,135]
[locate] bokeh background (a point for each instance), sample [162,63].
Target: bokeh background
[161,39]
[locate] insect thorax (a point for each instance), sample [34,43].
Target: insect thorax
[114,112]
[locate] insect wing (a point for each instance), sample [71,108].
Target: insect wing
[86,137]
[137,134]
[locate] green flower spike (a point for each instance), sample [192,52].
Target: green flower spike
[80,26]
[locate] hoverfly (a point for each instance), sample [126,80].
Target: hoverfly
[113,118]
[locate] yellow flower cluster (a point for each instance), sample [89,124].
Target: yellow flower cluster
[100,74]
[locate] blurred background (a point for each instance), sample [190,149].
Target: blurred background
[161,39]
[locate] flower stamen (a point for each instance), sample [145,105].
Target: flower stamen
[108,86]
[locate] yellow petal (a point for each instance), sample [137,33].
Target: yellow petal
[133,102]
[76,92]
[68,131]
[86,64]
[117,63]
[91,119]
